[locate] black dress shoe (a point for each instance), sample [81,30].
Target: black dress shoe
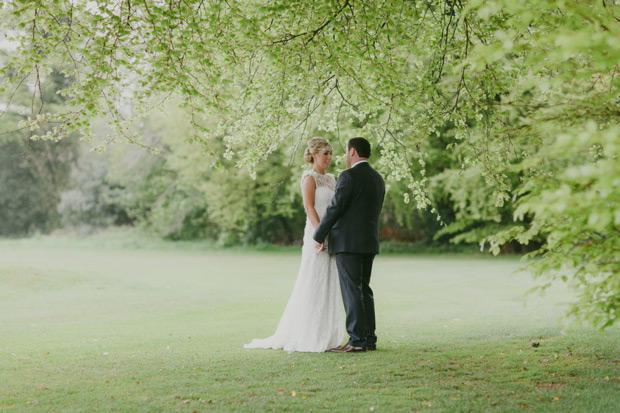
[348,349]
[371,347]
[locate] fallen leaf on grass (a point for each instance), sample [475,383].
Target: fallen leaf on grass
[293,394]
[556,398]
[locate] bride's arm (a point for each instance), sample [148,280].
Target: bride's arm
[307,192]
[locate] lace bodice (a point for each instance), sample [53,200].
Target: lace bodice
[326,180]
[325,187]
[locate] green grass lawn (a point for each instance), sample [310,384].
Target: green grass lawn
[118,326]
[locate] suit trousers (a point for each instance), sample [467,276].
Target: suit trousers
[354,272]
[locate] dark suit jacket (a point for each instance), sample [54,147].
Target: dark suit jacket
[352,217]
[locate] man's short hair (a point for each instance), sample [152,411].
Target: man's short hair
[361,145]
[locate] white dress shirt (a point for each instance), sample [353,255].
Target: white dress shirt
[359,162]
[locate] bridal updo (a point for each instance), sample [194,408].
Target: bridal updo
[315,145]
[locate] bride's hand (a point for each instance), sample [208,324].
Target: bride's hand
[319,246]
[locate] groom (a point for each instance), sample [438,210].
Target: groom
[352,220]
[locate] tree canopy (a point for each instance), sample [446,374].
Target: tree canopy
[525,93]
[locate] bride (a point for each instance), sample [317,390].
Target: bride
[313,318]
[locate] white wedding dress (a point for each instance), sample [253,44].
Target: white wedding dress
[313,320]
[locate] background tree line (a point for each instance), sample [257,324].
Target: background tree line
[177,193]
